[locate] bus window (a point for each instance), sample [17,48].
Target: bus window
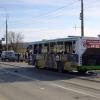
[60,47]
[45,48]
[69,47]
[40,48]
[35,49]
[52,47]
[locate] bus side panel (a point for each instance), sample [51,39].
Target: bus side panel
[68,65]
[40,61]
[49,61]
[46,61]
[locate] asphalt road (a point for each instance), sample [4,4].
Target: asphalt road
[27,83]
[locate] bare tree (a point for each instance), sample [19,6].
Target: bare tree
[15,40]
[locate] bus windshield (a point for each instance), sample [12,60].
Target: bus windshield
[91,56]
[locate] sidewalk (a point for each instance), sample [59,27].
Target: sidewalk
[95,78]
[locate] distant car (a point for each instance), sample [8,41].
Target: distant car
[8,56]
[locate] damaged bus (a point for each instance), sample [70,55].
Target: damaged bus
[67,54]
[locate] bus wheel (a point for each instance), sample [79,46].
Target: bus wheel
[82,71]
[60,70]
[37,67]
[60,67]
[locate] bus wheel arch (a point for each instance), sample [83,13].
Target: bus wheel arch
[82,70]
[60,66]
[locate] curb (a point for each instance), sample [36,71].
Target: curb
[89,80]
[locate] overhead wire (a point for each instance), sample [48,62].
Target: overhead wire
[55,10]
[92,4]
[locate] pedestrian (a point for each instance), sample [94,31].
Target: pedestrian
[18,57]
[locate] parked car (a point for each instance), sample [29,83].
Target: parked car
[8,56]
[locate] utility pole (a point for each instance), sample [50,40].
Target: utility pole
[6,27]
[82,18]
[6,32]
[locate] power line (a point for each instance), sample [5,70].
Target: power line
[50,12]
[92,4]
[55,10]
[92,7]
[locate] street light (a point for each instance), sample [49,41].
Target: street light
[3,39]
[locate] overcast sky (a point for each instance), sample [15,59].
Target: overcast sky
[49,19]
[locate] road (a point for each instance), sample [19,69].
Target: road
[28,83]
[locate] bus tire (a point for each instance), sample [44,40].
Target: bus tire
[82,71]
[60,70]
[60,66]
[37,67]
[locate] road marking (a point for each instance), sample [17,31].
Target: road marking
[76,91]
[42,88]
[20,75]
[81,85]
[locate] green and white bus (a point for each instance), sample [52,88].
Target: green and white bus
[72,53]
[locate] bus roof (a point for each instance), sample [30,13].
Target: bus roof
[70,38]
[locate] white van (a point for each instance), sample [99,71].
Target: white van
[8,56]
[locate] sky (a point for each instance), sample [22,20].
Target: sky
[49,19]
